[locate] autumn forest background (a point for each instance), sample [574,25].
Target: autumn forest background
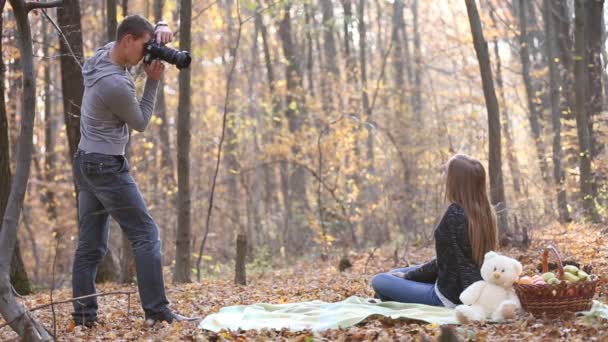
[312,132]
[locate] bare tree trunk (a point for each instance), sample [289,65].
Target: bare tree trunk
[362,56]
[232,149]
[506,121]
[294,185]
[166,180]
[22,322]
[331,72]
[309,49]
[369,195]
[582,119]
[595,69]
[240,274]
[271,196]
[401,122]
[595,94]
[184,230]
[255,183]
[554,87]
[72,84]
[18,275]
[111,19]
[497,192]
[533,109]
[68,18]
[417,98]
[351,61]
[562,17]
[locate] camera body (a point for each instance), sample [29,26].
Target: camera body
[181,59]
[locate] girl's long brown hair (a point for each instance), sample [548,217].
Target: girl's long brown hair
[466,186]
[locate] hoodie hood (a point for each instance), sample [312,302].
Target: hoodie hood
[100,66]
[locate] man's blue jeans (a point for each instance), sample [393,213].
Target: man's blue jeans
[389,287]
[105,187]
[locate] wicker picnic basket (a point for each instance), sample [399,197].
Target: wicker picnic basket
[553,300]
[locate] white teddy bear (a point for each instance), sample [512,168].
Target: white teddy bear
[493,297]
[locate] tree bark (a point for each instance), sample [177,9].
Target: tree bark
[294,184]
[271,196]
[18,276]
[184,230]
[562,16]
[506,120]
[554,87]
[497,192]
[331,72]
[582,119]
[166,181]
[240,274]
[111,19]
[230,158]
[68,18]
[309,19]
[362,57]
[595,70]
[533,109]
[351,60]
[417,97]
[22,322]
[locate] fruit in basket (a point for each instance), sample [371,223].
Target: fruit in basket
[554,281]
[537,279]
[539,282]
[525,280]
[571,268]
[548,275]
[582,275]
[570,277]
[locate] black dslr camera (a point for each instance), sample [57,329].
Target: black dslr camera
[181,59]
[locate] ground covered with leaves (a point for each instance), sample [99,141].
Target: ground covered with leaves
[121,317]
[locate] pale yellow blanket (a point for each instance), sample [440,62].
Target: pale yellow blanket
[317,315]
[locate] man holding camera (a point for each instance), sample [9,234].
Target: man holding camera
[101,171]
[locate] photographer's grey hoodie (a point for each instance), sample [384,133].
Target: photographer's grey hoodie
[110,106]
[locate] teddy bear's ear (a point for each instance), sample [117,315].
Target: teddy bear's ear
[517,266]
[490,255]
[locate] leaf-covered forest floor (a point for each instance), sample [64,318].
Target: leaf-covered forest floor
[322,280]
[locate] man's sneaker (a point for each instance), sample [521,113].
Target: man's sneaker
[169,317]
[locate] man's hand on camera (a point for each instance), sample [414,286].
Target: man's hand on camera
[155,69]
[163,33]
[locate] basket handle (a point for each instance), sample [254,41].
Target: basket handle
[560,265]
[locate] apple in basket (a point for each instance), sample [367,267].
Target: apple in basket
[538,280]
[525,280]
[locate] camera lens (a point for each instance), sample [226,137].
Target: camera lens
[181,59]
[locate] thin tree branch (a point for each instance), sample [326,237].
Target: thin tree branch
[128,293]
[34,5]
[53,287]
[262,10]
[219,148]
[381,76]
[67,43]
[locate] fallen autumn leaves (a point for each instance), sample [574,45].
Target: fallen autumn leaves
[322,280]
